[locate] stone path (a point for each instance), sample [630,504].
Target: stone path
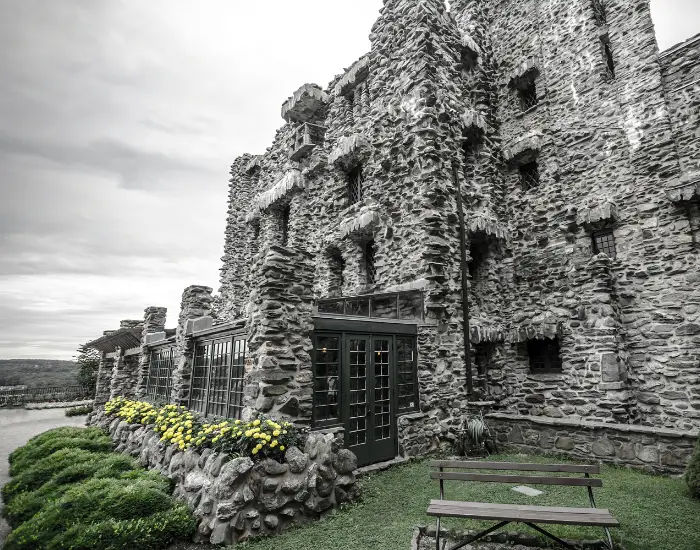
[19,425]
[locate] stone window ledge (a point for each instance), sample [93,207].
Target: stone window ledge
[516,148]
[605,211]
[523,114]
[576,421]
[686,189]
[304,104]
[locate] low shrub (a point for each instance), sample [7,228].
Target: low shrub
[258,438]
[47,443]
[79,410]
[106,514]
[692,475]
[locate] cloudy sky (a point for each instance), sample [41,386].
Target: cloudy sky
[118,122]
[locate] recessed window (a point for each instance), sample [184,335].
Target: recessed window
[355,179]
[529,175]
[608,58]
[544,356]
[483,356]
[256,230]
[527,92]
[284,225]
[599,13]
[604,243]
[370,267]
[336,270]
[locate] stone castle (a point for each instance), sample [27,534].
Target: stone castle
[495,210]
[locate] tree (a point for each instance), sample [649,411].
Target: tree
[88,361]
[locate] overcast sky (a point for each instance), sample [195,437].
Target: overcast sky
[119,120]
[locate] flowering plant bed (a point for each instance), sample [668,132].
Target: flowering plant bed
[258,438]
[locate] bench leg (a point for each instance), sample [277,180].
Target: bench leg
[480,535]
[548,534]
[437,535]
[610,541]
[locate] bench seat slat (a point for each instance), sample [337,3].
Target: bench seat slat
[527,480]
[524,507]
[475,465]
[594,517]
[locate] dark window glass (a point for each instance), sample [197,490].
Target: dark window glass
[406,373]
[604,242]
[382,389]
[160,370]
[529,175]
[358,357]
[370,267]
[544,355]
[200,378]
[219,375]
[284,224]
[327,379]
[601,17]
[528,94]
[235,390]
[608,59]
[355,184]
[483,356]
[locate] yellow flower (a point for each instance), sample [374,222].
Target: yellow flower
[281,447]
[256,422]
[255,451]
[276,433]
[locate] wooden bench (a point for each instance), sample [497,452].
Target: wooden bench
[533,516]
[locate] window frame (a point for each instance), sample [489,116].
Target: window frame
[529,172]
[355,181]
[369,254]
[599,237]
[160,359]
[549,350]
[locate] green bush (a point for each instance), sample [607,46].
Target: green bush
[47,443]
[29,491]
[692,475]
[79,411]
[106,514]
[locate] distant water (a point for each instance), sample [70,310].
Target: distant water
[16,427]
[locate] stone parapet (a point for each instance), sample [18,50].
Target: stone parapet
[235,499]
[658,450]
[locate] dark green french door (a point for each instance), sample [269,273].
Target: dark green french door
[355,386]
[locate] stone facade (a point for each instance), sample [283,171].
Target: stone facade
[549,143]
[234,499]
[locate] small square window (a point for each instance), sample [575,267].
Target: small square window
[529,175]
[355,179]
[528,94]
[604,243]
[544,356]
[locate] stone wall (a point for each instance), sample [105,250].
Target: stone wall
[153,324]
[236,499]
[104,379]
[657,450]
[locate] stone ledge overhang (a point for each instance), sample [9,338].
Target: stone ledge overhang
[292,180]
[253,165]
[605,211]
[468,43]
[481,334]
[548,329]
[353,76]
[305,104]
[686,189]
[520,146]
[529,66]
[483,223]
[124,338]
[473,122]
[366,221]
[349,150]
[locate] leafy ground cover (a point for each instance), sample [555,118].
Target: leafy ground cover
[656,513]
[68,491]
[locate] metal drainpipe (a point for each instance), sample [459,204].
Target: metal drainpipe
[465,281]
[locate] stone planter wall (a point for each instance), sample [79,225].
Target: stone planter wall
[235,499]
[656,450]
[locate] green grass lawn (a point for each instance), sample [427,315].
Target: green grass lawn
[655,513]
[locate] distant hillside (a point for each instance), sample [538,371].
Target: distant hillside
[37,372]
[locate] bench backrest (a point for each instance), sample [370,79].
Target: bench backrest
[471,466]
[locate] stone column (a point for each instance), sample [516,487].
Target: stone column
[153,323]
[104,380]
[196,303]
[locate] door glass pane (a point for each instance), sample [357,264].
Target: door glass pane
[235,400]
[200,373]
[218,387]
[406,372]
[326,379]
[357,434]
[382,390]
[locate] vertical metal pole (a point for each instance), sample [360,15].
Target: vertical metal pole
[465,281]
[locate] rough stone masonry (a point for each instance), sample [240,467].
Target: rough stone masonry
[549,141]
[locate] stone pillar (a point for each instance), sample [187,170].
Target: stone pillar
[280,326]
[153,323]
[196,303]
[104,380]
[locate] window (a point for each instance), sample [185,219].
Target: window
[336,269]
[529,175]
[284,225]
[256,230]
[544,356]
[218,376]
[599,13]
[527,92]
[483,356]
[406,373]
[355,179]
[160,370]
[327,380]
[604,243]
[370,267]
[608,58]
